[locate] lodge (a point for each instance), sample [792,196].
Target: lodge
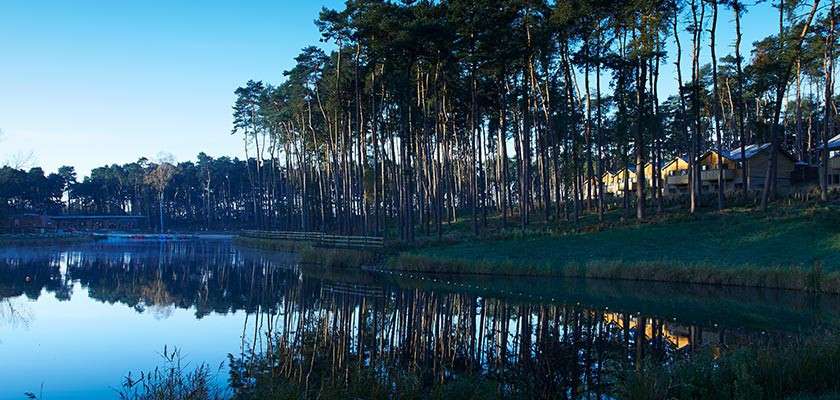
[833,162]
[674,173]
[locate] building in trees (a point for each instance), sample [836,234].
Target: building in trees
[756,159]
[675,176]
[99,222]
[833,176]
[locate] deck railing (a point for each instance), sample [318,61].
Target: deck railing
[319,239]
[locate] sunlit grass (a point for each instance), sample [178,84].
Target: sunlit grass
[793,248]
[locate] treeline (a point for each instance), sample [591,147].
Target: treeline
[210,193]
[429,111]
[426,112]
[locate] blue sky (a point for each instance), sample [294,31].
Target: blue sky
[88,83]
[92,82]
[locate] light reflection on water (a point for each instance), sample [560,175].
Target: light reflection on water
[77,319]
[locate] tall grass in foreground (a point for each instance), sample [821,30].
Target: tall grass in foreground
[174,380]
[804,369]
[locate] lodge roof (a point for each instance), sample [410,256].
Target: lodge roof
[833,143]
[749,151]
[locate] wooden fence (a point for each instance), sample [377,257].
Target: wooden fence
[320,239]
[352,289]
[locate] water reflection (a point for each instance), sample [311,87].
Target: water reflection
[308,329]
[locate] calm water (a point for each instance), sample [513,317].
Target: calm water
[74,321]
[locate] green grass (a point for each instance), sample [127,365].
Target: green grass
[794,248]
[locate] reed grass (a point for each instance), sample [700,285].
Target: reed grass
[328,257]
[793,278]
[804,369]
[173,380]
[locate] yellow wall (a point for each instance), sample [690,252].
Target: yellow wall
[677,165]
[711,161]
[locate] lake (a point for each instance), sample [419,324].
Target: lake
[76,320]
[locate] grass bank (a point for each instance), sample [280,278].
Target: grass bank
[332,258]
[44,239]
[791,248]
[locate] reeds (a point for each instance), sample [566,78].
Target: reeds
[337,258]
[806,368]
[328,257]
[793,278]
[172,381]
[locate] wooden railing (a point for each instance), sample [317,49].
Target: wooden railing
[712,174]
[319,239]
[352,289]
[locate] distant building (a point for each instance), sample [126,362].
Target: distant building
[99,222]
[26,222]
[674,174]
[756,158]
[33,222]
[833,162]
[675,177]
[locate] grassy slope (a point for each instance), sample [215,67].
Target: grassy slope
[729,240]
[713,244]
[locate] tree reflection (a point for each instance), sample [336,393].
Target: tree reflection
[315,331]
[360,338]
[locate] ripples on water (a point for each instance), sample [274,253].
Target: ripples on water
[307,328]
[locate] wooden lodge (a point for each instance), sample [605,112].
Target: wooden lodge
[729,164]
[674,174]
[833,162]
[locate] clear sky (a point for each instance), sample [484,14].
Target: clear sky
[88,83]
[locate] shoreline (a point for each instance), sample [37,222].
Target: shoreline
[790,278]
[813,280]
[46,239]
[791,249]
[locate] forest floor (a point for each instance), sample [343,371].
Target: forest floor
[791,247]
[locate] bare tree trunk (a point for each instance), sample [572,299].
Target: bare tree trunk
[678,67]
[781,85]
[696,175]
[737,8]
[828,66]
[601,199]
[716,105]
